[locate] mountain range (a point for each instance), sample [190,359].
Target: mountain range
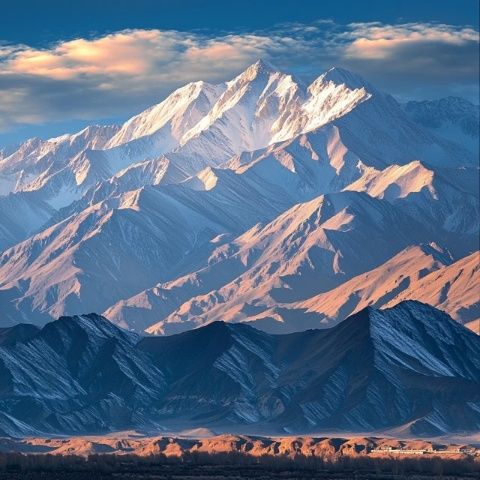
[260,200]
[263,256]
[409,368]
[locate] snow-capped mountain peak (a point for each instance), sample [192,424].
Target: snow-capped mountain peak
[341,76]
[260,67]
[250,111]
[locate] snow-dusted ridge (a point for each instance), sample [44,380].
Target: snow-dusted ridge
[382,368]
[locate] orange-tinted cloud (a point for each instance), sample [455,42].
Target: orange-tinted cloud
[121,73]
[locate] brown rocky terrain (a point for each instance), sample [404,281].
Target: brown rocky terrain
[257,446]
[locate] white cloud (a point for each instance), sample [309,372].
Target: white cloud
[120,73]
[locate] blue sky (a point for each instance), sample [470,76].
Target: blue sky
[66,64]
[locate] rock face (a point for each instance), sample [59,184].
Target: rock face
[256,446]
[410,366]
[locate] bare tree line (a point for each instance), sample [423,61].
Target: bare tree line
[311,467]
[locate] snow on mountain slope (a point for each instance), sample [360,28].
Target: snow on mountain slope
[35,157]
[134,177]
[160,130]
[7,150]
[249,112]
[57,171]
[453,288]
[454,118]
[378,369]
[370,122]
[170,119]
[155,131]
[25,155]
[311,248]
